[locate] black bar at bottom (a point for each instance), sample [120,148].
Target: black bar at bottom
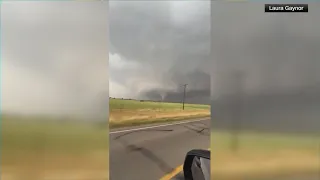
[288,8]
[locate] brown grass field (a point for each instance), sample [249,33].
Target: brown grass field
[263,155]
[134,112]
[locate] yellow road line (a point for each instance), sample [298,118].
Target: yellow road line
[173,173]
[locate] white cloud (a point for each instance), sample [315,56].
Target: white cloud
[184,12]
[128,78]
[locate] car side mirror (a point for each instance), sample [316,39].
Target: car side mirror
[197,165]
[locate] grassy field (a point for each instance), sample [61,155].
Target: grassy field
[39,150]
[134,112]
[263,155]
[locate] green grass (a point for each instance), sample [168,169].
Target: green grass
[49,135]
[23,137]
[33,145]
[266,141]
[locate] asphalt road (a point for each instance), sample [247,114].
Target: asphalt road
[152,152]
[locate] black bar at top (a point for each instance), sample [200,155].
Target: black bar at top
[287,8]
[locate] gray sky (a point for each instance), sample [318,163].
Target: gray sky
[156,47]
[274,50]
[279,56]
[54,56]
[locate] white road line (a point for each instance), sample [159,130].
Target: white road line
[162,125]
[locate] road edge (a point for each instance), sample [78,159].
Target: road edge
[151,126]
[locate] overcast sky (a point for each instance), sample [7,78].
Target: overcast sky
[274,50]
[278,55]
[157,46]
[54,56]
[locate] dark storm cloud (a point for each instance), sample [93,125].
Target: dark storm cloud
[159,35]
[273,50]
[278,57]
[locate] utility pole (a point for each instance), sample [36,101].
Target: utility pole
[184,95]
[237,108]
